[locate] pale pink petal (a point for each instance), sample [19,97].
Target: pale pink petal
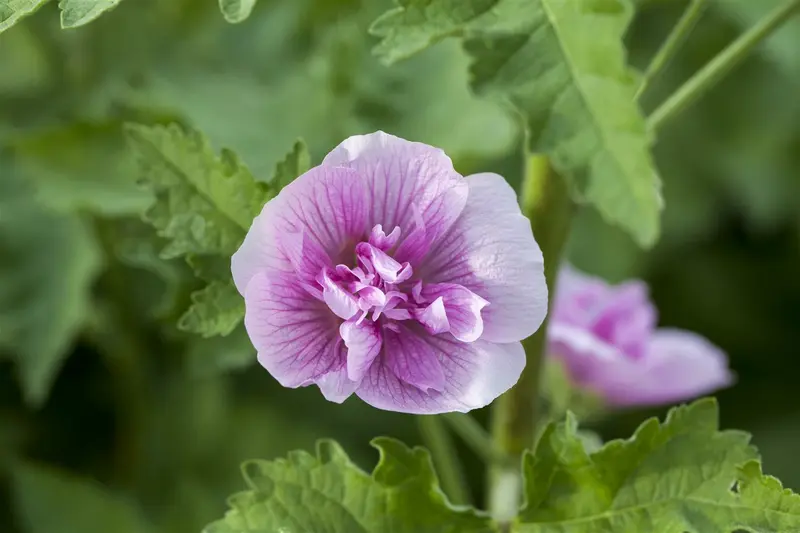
[379,239]
[336,386]
[328,205]
[433,317]
[308,259]
[462,307]
[398,174]
[475,374]
[341,302]
[678,365]
[491,251]
[363,341]
[296,336]
[410,357]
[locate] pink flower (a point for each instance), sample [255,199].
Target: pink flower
[607,339]
[386,273]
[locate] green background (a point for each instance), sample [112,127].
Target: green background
[151,423]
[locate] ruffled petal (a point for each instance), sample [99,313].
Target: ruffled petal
[474,375]
[336,386]
[412,359]
[363,341]
[462,308]
[491,251]
[678,365]
[399,174]
[296,336]
[433,317]
[341,302]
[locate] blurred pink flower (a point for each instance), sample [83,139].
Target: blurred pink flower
[384,273]
[606,336]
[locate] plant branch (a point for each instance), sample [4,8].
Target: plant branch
[477,438]
[546,202]
[445,459]
[721,65]
[672,44]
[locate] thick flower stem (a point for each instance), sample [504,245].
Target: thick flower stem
[545,201]
[445,459]
[723,63]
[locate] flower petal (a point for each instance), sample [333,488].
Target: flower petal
[462,307]
[341,302]
[679,365]
[412,360]
[433,317]
[491,251]
[296,336]
[307,258]
[336,386]
[363,341]
[475,374]
[398,174]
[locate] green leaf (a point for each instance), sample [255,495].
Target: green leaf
[216,310]
[82,166]
[329,493]
[13,10]
[236,10]
[215,355]
[76,13]
[204,203]
[204,207]
[49,264]
[563,65]
[675,477]
[296,162]
[49,501]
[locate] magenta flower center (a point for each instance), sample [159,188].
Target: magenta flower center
[382,290]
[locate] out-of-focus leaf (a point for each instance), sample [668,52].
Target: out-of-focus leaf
[13,10]
[563,64]
[672,477]
[207,357]
[49,501]
[216,310]
[296,162]
[82,166]
[76,13]
[236,10]
[25,68]
[329,493]
[49,264]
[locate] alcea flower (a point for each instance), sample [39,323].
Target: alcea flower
[606,337]
[384,273]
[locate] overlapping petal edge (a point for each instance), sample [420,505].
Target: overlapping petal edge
[385,273]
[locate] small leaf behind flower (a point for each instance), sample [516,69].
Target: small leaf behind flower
[236,10]
[76,13]
[327,492]
[204,205]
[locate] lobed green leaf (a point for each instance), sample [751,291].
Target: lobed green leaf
[563,65]
[327,492]
[11,11]
[236,10]
[675,477]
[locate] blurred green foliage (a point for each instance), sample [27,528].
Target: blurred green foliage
[106,404]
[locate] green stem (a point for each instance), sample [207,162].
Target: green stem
[546,202]
[476,438]
[445,459]
[672,44]
[723,63]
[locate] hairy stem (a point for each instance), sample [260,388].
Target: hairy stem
[672,44]
[546,202]
[445,459]
[721,65]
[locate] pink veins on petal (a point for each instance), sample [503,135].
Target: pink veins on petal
[384,273]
